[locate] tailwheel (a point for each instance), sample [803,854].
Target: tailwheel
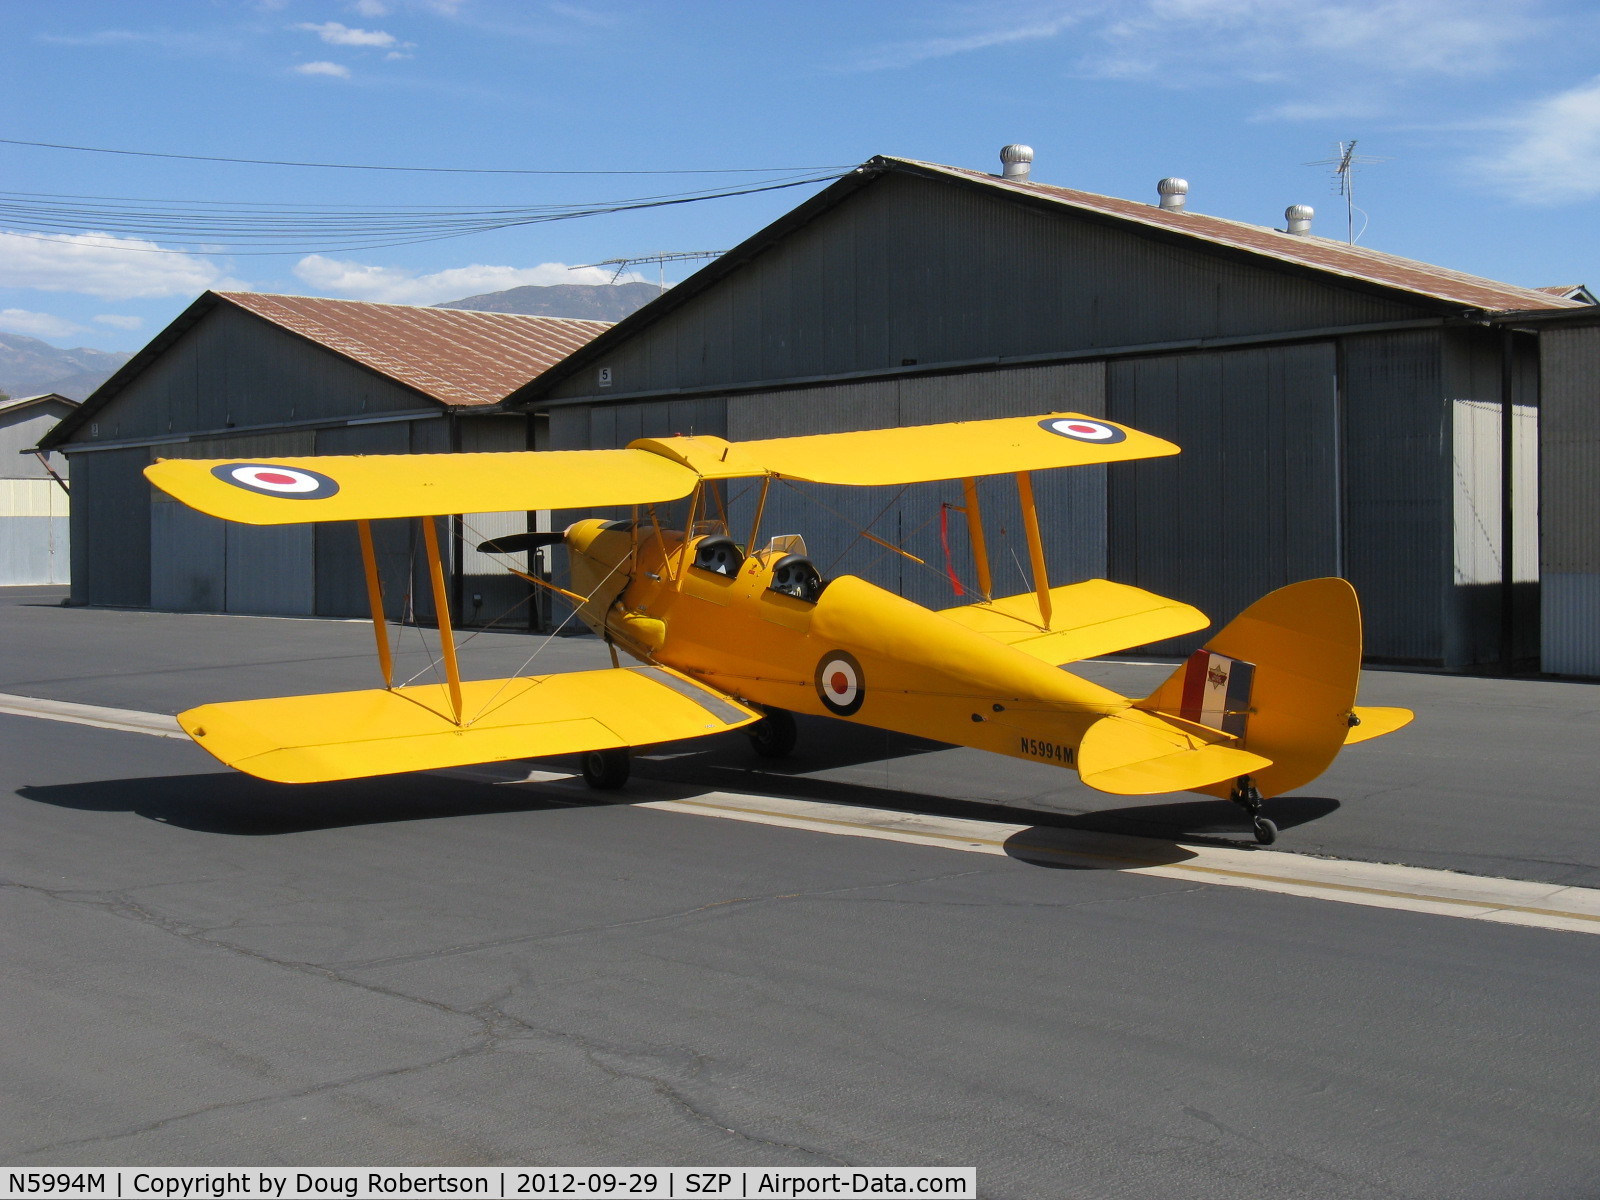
[1248,797]
[774,735]
[606,770]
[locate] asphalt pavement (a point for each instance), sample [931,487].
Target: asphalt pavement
[203,969]
[1495,776]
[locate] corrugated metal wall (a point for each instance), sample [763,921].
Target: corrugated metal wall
[234,370]
[341,585]
[1252,502]
[1398,489]
[202,564]
[1570,501]
[912,270]
[111,554]
[35,514]
[488,594]
[35,532]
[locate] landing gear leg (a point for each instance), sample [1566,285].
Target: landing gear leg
[606,770]
[774,735]
[1248,797]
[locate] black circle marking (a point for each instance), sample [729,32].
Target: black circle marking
[270,479]
[841,683]
[1084,429]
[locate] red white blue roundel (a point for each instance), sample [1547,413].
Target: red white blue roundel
[841,683]
[1083,429]
[291,483]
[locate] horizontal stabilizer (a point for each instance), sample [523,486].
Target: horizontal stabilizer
[1139,754]
[1375,722]
[1089,618]
[350,735]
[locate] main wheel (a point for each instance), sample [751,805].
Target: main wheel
[1266,831]
[606,770]
[774,735]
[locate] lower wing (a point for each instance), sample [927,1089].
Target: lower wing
[349,735]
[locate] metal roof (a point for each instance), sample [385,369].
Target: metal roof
[1357,263]
[19,402]
[1444,289]
[458,357]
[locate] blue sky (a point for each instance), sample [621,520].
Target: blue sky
[1487,117]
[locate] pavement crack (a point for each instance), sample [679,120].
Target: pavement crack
[528,939]
[258,1102]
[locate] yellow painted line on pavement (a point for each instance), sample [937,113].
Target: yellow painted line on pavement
[124,720]
[1380,885]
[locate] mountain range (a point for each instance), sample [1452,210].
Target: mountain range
[29,367]
[589,301]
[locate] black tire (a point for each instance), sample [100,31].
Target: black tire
[606,770]
[1266,831]
[774,735]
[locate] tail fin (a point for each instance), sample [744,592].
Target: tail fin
[1281,677]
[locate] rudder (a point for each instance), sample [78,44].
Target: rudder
[1286,669]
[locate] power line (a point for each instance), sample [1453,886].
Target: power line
[234,227]
[273,162]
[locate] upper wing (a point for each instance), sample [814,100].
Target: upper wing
[1089,618]
[279,491]
[350,735]
[919,453]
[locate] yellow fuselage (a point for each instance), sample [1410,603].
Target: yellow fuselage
[858,653]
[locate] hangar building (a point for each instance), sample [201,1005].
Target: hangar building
[34,532]
[1342,411]
[245,375]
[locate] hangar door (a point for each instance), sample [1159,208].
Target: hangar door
[1253,500]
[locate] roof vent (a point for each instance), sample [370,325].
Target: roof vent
[1299,218]
[1016,162]
[1173,193]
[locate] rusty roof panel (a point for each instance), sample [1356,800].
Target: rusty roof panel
[1322,254]
[457,356]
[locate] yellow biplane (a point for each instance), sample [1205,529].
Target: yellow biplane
[743,635]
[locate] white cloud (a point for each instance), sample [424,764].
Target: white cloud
[192,42]
[1001,26]
[103,265]
[336,34]
[1346,43]
[117,321]
[1550,153]
[370,8]
[33,324]
[394,285]
[1270,41]
[336,70]
[583,16]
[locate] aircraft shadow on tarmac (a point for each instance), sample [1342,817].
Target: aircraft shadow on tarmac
[826,745]
[228,802]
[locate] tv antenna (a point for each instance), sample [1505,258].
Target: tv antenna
[1344,164]
[661,261]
